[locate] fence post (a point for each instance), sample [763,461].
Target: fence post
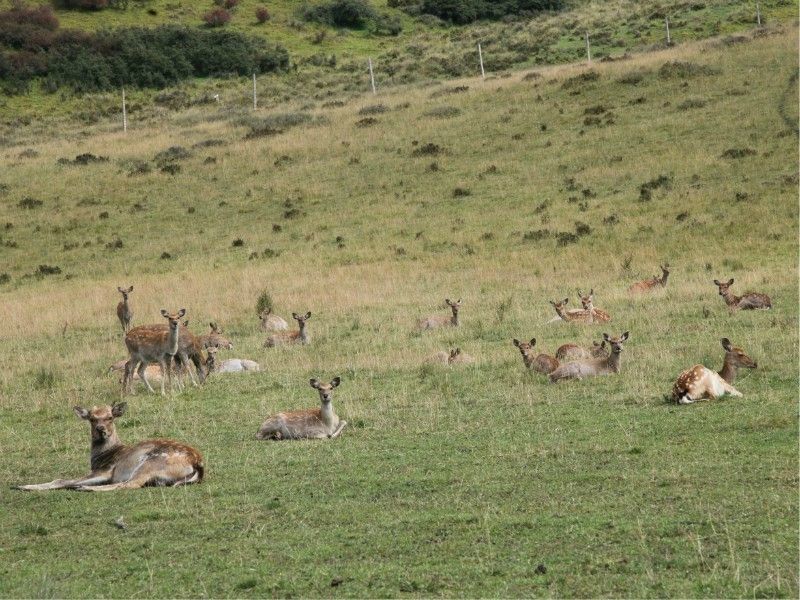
[372,77]
[480,56]
[255,97]
[588,49]
[124,113]
[758,13]
[669,38]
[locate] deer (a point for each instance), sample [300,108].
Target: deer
[271,322]
[317,423]
[654,283]
[215,338]
[436,321]
[291,337]
[149,344]
[229,365]
[124,312]
[117,466]
[595,366]
[701,383]
[570,352]
[541,363]
[598,314]
[749,301]
[459,357]
[575,315]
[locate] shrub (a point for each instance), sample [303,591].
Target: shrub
[353,14]
[230,4]
[467,11]
[264,302]
[262,14]
[217,17]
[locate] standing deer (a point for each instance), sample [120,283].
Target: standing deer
[699,382]
[149,344]
[542,363]
[655,282]
[570,352]
[124,312]
[436,321]
[575,315]
[302,424]
[116,466]
[271,322]
[229,365]
[598,314]
[215,338]
[750,301]
[596,366]
[291,337]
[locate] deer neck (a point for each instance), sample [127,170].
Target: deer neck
[730,298]
[612,362]
[172,341]
[105,452]
[454,319]
[561,312]
[663,280]
[326,412]
[728,371]
[303,335]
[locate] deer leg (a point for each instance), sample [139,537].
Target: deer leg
[58,484]
[143,377]
[338,431]
[732,390]
[166,373]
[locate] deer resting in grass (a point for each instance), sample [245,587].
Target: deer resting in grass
[597,366]
[570,352]
[215,338]
[272,322]
[701,383]
[654,283]
[124,312]
[436,321]
[316,423]
[117,466]
[229,365]
[148,344]
[541,363]
[598,314]
[750,301]
[575,315]
[291,337]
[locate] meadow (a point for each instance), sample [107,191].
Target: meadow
[479,480]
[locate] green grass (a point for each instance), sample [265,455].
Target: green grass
[448,482]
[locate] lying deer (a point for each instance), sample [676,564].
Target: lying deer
[215,338]
[575,315]
[149,344]
[592,367]
[542,363]
[436,321]
[124,312]
[750,301]
[598,314]
[271,322]
[229,365]
[302,424]
[291,337]
[458,357]
[655,282]
[699,382]
[570,352]
[116,466]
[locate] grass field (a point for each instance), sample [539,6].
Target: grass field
[475,481]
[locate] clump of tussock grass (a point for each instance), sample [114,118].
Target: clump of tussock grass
[171,154]
[449,91]
[647,188]
[678,69]
[442,112]
[735,153]
[28,153]
[274,124]
[373,109]
[84,159]
[209,143]
[691,103]
[580,80]
[367,122]
[428,149]
[29,203]
[4,278]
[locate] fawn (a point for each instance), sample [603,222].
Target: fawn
[291,337]
[595,366]
[124,312]
[655,282]
[570,352]
[699,382]
[229,365]
[152,344]
[598,314]
[575,315]
[316,423]
[750,300]
[271,322]
[435,321]
[542,363]
[116,466]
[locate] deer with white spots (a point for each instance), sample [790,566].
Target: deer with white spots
[749,301]
[541,363]
[436,321]
[598,314]
[117,466]
[701,383]
[300,336]
[574,315]
[124,312]
[597,366]
[148,344]
[318,423]
[654,283]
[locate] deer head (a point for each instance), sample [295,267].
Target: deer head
[101,420]
[325,389]
[616,342]
[125,292]
[736,357]
[724,288]
[173,318]
[301,319]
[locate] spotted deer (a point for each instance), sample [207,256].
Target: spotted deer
[215,338]
[598,314]
[149,344]
[117,466]
[570,352]
[436,321]
[541,363]
[654,283]
[229,365]
[701,383]
[280,338]
[750,300]
[272,322]
[575,315]
[592,367]
[124,312]
[316,423]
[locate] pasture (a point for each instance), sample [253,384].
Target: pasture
[470,480]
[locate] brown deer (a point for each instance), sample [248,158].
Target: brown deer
[117,466]
[316,423]
[149,344]
[750,301]
[436,321]
[598,314]
[655,282]
[575,315]
[570,352]
[291,337]
[541,363]
[596,366]
[215,338]
[459,357]
[701,383]
[124,312]
[271,322]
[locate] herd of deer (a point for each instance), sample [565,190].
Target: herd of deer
[153,349]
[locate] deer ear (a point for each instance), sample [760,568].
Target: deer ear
[81,412]
[308,315]
[130,289]
[716,282]
[295,316]
[336,381]
[551,302]
[447,301]
[625,336]
[533,341]
[120,290]
[726,344]
[591,292]
[516,342]
[566,300]
[117,410]
[313,383]
[164,313]
[181,312]
[459,302]
[731,281]
[605,337]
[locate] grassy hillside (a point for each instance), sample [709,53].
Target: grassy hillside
[476,481]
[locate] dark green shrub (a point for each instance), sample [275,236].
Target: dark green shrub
[353,14]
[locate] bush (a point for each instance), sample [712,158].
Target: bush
[467,11]
[264,302]
[217,17]
[353,14]
[262,14]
